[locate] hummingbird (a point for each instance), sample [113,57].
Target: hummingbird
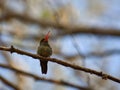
[44,50]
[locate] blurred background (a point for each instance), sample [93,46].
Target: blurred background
[24,22]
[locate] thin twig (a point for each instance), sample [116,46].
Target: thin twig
[78,50]
[59,82]
[79,53]
[76,67]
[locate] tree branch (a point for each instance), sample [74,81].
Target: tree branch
[59,82]
[8,83]
[103,53]
[76,67]
[68,29]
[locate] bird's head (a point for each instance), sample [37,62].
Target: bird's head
[45,39]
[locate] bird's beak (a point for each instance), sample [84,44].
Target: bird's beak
[47,36]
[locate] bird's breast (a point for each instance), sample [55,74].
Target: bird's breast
[44,51]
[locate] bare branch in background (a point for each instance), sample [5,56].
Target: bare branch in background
[59,82]
[68,29]
[61,62]
[93,54]
[8,83]
[103,53]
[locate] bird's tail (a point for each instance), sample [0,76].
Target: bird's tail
[43,66]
